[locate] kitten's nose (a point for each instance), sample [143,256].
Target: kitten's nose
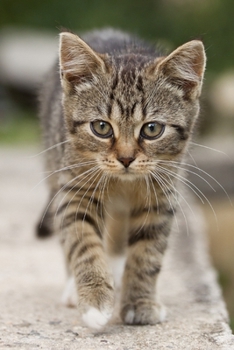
[126,161]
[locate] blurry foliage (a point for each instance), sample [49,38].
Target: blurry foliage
[19,128]
[168,23]
[226,281]
[164,20]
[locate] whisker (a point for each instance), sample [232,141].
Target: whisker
[191,156]
[92,198]
[155,194]
[86,173]
[93,173]
[193,188]
[69,167]
[199,169]
[184,180]
[100,182]
[165,187]
[177,201]
[49,149]
[212,149]
[97,175]
[101,199]
[58,192]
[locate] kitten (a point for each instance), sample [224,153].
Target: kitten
[117,121]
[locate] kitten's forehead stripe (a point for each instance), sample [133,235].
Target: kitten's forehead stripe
[127,90]
[139,84]
[120,105]
[109,110]
[133,108]
[115,82]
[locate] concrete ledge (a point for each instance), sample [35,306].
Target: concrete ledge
[32,278]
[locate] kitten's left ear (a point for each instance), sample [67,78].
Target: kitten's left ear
[185,68]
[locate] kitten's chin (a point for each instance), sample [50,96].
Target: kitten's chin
[127,176]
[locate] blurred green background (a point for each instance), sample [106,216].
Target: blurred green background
[167,22]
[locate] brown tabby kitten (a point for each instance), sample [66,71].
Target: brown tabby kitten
[117,122]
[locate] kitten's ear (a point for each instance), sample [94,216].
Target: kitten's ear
[185,68]
[78,62]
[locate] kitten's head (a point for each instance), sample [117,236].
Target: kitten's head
[130,111]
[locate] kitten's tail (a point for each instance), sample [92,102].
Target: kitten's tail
[44,227]
[43,231]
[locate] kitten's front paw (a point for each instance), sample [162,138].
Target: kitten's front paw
[96,319]
[143,312]
[96,305]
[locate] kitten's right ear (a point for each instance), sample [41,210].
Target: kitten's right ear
[183,68]
[78,62]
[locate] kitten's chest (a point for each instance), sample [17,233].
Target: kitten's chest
[127,197]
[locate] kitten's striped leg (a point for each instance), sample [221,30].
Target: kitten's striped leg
[85,256]
[138,301]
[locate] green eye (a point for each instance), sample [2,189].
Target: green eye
[152,131]
[101,129]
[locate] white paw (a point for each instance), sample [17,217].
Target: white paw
[129,317]
[162,313]
[95,318]
[69,297]
[117,264]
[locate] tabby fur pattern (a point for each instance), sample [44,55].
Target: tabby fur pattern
[117,119]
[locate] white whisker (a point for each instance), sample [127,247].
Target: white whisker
[193,188]
[199,169]
[66,168]
[58,192]
[77,210]
[101,200]
[93,172]
[49,149]
[191,156]
[83,176]
[165,187]
[212,149]
[155,194]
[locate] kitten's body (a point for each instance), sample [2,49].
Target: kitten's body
[121,119]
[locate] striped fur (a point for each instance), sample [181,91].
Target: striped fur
[114,196]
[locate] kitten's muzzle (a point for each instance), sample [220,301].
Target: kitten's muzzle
[126,161]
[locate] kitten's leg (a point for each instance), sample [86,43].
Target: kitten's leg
[138,301]
[86,259]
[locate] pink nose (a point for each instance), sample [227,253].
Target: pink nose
[126,161]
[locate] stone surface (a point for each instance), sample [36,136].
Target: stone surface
[32,278]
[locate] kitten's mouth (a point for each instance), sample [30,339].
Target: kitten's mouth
[127,174]
[124,173]
[127,171]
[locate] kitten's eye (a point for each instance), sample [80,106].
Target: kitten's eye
[152,131]
[101,129]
